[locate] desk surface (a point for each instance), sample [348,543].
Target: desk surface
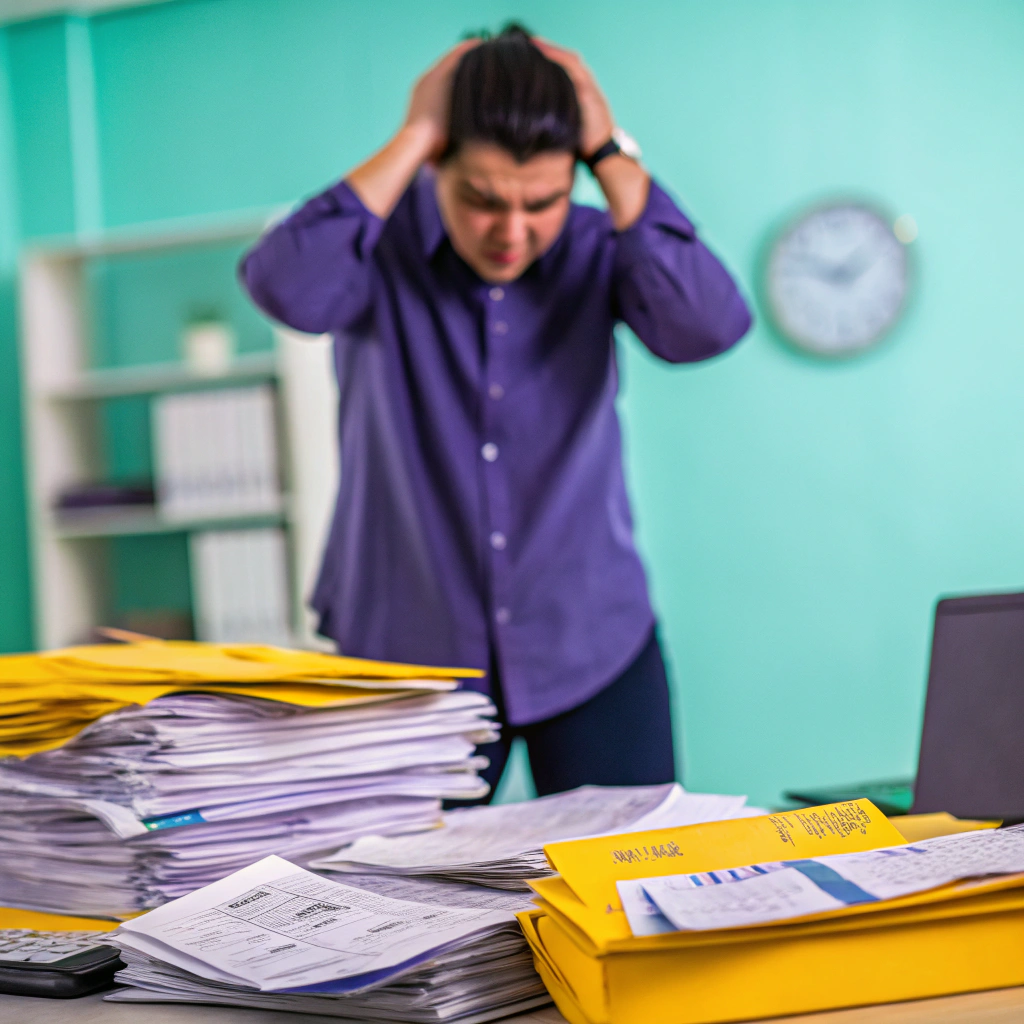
[1005,1006]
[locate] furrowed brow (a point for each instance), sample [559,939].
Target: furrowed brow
[488,198]
[546,201]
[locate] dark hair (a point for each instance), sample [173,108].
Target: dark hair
[505,91]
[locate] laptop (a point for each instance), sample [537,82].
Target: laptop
[971,761]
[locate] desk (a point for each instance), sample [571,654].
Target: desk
[1005,1006]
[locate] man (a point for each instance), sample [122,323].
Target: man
[482,517]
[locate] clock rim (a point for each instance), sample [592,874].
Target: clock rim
[877,209]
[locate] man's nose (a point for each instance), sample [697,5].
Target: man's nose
[513,228]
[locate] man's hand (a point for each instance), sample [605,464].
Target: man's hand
[431,97]
[381,180]
[595,114]
[626,185]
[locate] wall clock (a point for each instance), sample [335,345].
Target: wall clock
[837,279]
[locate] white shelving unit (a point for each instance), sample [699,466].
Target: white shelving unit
[123,381]
[62,395]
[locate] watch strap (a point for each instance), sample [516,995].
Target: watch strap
[610,148]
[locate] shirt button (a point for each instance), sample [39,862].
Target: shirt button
[498,541]
[496,391]
[489,451]
[497,294]
[502,616]
[500,327]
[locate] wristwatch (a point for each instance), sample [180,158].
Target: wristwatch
[620,142]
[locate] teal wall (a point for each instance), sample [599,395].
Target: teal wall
[15,624]
[799,518]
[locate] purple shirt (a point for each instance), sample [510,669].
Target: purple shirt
[482,503]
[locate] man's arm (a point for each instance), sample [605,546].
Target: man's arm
[670,289]
[381,181]
[625,183]
[312,271]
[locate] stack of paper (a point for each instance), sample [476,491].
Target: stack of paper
[502,846]
[150,802]
[488,977]
[699,924]
[276,937]
[50,697]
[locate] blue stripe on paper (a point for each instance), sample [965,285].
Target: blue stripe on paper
[174,820]
[832,882]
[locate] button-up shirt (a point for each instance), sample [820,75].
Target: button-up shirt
[482,506]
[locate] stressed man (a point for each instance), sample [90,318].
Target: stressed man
[482,517]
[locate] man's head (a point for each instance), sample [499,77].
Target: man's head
[504,180]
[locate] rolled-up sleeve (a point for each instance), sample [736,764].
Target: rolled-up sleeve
[313,270]
[671,290]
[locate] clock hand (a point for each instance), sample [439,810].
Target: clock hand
[819,268]
[852,267]
[841,273]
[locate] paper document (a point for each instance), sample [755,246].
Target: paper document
[503,846]
[488,975]
[275,927]
[442,894]
[780,890]
[194,786]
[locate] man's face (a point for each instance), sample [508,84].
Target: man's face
[502,215]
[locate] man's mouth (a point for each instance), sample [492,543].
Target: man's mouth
[503,258]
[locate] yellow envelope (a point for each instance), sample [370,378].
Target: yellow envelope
[48,698]
[11,917]
[952,939]
[742,974]
[591,867]
[154,661]
[917,827]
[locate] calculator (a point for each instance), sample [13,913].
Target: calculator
[59,965]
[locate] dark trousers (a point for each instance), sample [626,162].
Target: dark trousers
[622,736]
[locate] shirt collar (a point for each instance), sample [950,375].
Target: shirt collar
[432,229]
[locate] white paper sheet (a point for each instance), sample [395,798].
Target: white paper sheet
[443,894]
[773,897]
[641,911]
[496,834]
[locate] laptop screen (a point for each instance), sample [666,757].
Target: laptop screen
[972,743]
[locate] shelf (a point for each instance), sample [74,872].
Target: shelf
[177,232]
[122,381]
[147,521]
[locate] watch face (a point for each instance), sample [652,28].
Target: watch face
[628,146]
[837,279]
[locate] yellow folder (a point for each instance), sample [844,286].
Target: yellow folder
[49,697]
[928,952]
[589,868]
[13,917]
[963,937]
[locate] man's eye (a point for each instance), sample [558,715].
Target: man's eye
[481,202]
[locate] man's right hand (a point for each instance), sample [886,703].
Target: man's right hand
[430,100]
[381,180]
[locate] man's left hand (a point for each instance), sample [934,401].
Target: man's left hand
[595,114]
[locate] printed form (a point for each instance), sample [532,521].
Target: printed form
[778,891]
[275,927]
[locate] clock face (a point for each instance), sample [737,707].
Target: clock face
[837,279]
